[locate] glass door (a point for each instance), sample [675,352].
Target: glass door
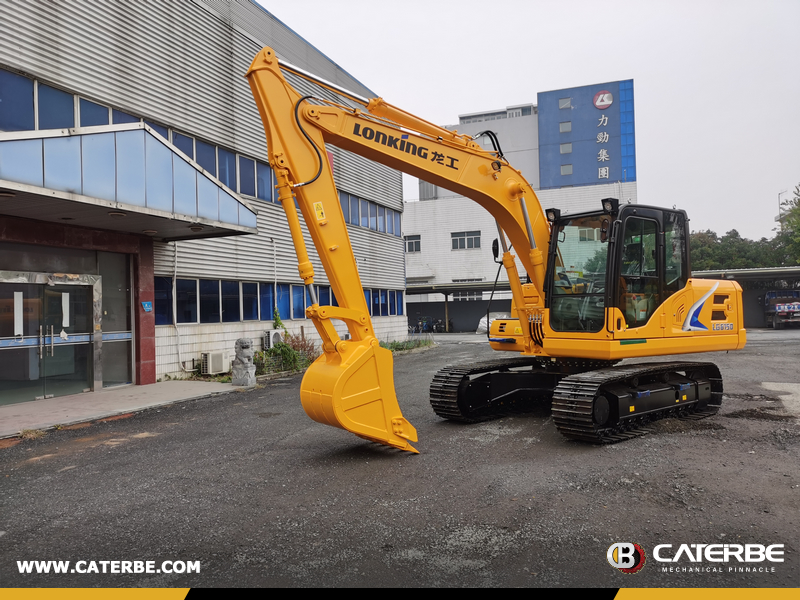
[21,342]
[67,358]
[46,344]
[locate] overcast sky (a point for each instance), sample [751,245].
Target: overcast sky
[716,83]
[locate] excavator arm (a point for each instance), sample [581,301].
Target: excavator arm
[351,385]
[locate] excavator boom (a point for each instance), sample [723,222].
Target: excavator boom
[351,385]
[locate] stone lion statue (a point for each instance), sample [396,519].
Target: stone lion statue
[244,371]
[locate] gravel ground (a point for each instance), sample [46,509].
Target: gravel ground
[261,495]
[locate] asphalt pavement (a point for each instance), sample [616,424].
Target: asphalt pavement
[246,484]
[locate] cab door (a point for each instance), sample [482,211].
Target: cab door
[652,269]
[637,283]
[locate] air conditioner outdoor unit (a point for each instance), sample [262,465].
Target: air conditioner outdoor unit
[271,337]
[213,363]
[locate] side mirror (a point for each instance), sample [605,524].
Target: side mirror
[495,249]
[604,231]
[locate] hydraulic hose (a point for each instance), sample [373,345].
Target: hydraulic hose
[310,141]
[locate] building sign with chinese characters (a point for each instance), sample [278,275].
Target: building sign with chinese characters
[586,135]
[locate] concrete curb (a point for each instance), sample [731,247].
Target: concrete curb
[50,424]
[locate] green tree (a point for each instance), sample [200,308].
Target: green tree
[790,228]
[731,251]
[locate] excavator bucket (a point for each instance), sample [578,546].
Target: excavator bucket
[353,388]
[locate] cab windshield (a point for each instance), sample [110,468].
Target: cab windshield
[579,274]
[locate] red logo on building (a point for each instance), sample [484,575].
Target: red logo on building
[603,99]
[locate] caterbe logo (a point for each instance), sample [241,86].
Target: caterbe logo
[403,144]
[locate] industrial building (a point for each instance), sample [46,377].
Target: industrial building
[138,227]
[575,147]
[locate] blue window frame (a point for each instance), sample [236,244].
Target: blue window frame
[324,295]
[186,300]
[247,176]
[93,114]
[206,156]
[354,210]
[284,301]
[376,303]
[16,98]
[399,296]
[392,303]
[264,177]
[389,221]
[62,163]
[99,169]
[298,302]
[344,200]
[158,182]
[227,168]
[381,219]
[266,291]
[384,303]
[368,298]
[56,108]
[373,216]
[185,192]
[397,224]
[183,143]
[230,302]
[163,300]
[209,301]
[119,118]
[249,301]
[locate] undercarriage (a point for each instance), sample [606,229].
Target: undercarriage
[592,400]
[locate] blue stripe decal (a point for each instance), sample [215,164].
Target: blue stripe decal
[108,337]
[34,341]
[71,339]
[24,343]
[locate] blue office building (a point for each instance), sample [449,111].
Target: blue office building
[587,135]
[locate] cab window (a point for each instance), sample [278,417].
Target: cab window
[675,263]
[579,276]
[638,283]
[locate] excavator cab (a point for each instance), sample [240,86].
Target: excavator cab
[630,258]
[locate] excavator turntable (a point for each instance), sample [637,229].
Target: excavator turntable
[589,290]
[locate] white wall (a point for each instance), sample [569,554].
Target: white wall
[218,337]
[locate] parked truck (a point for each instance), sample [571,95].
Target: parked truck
[782,308]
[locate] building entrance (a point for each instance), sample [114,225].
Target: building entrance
[47,335]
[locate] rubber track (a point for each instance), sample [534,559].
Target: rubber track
[445,385]
[573,401]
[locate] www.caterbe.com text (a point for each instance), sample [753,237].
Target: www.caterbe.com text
[107,566]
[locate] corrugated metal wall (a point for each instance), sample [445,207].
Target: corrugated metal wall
[251,258]
[181,64]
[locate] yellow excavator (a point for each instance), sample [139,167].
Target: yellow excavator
[599,286]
